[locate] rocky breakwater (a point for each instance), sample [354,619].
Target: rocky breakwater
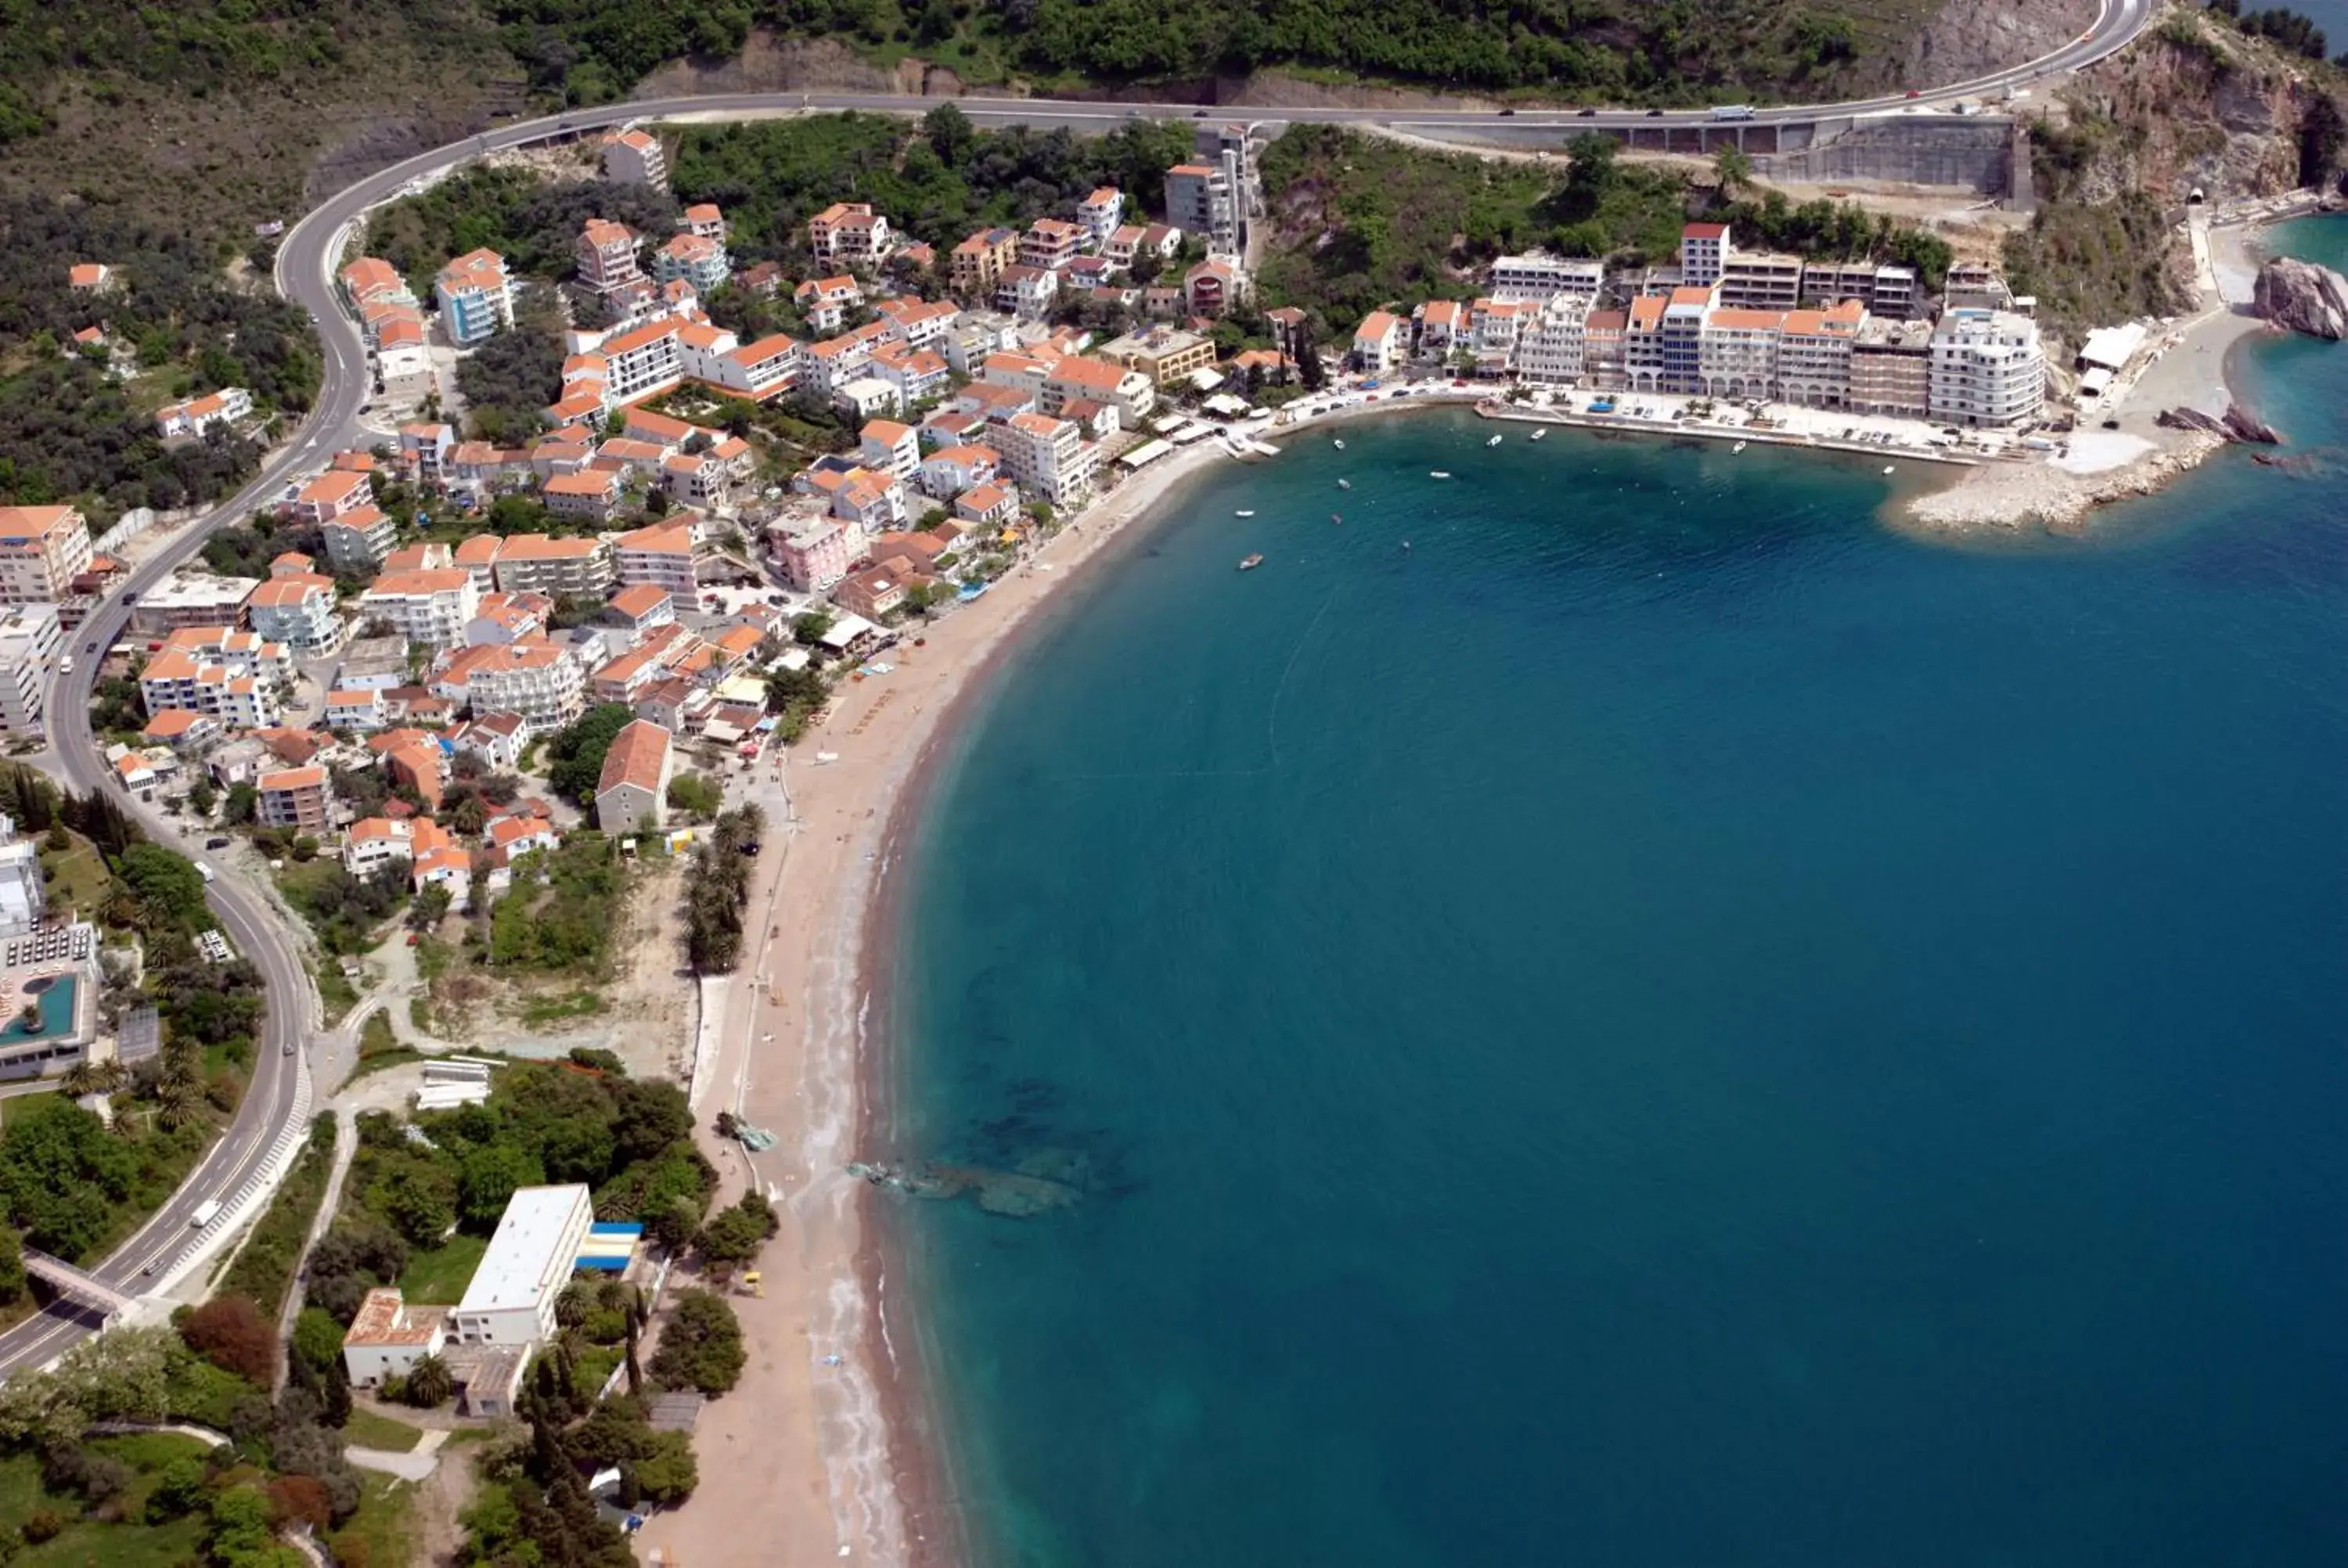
[2302,297]
[2236,426]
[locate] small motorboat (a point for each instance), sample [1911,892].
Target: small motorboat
[1344,484]
[1738,447]
[1244,514]
[1495,441]
[1536,436]
[1248,563]
[1336,517]
[1888,468]
[1438,472]
[1406,544]
[1338,442]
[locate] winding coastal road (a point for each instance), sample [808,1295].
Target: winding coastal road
[281,1090]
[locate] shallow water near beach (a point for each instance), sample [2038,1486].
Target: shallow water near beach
[1664,1023]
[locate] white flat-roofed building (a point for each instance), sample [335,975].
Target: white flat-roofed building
[1761,281]
[510,1300]
[1550,348]
[1988,368]
[29,634]
[428,607]
[1537,275]
[1738,351]
[389,1337]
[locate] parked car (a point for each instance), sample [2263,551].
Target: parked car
[216,842]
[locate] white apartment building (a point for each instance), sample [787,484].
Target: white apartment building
[1737,353]
[1550,348]
[298,611]
[1048,457]
[534,563]
[661,555]
[358,541]
[475,295]
[1988,368]
[1050,242]
[888,447]
[1814,354]
[1761,281]
[848,233]
[430,607]
[1099,214]
[29,634]
[42,550]
[1537,275]
[1199,201]
[642,361]
[510,1299]
[606,254]
[213,410]
[529,676]
[698,259]
[635,156]
[1705,249]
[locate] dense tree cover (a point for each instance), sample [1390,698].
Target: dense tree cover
[1373,224]
[246,548]
[575,754]
[68,431]
[733,1235]
[231,1333]
[2090,263]
[506,383]
[700,1345]
[936,184]
[62,1174]
[345,909]
[561,912]
[167,882]
[531,223]
[629,1138]
[592,51]
[718,890]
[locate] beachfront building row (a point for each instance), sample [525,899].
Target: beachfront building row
[1975,367]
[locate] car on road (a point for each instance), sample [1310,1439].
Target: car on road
[131,598]
[90,648]
[1506,113]
[1589,114]
[1197,113]
[289,1047]
[1915,92]
[1655,114]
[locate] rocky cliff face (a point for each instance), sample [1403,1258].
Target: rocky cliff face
[1969,38]
[2193,104]
[2302,297]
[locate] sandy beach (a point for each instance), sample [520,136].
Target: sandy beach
[809,1459]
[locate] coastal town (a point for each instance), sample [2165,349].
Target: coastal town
[470,695]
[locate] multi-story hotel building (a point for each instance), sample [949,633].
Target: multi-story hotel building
[476,297]
[1988,368]
[606,253]
[430,607]
[1550,347]
[1737,353]
[42,550]
[1049,457]
[1892,367]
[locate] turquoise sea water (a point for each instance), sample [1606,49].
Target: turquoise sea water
[1666,1024]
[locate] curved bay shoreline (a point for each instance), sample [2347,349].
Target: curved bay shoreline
[843,1461]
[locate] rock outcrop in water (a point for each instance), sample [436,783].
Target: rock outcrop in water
[2303,297]
[2236,426]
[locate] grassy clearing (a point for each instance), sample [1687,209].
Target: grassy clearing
[371,1430]
[381,1534]
[75,878]
[334,990]
[376,1036]
[439,1275]
[18,1106]
[538,1012]
[82,1543]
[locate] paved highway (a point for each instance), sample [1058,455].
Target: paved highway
[304,275]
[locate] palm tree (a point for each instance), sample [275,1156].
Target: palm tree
[176,1100]
[80,1079]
